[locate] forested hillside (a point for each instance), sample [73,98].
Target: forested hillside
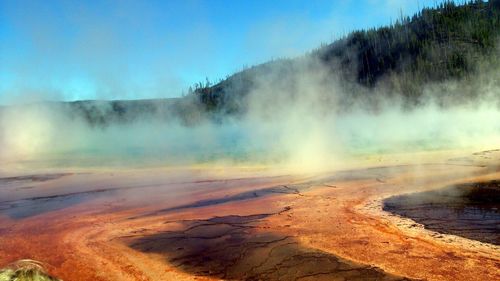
[448,42]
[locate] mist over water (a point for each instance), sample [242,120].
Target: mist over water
[298,126]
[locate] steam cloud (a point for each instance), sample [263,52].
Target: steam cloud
[296,124]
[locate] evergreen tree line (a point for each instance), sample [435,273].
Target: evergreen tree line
[448,42]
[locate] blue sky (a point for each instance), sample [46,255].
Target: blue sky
[72,50]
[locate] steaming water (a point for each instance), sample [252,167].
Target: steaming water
[44,137]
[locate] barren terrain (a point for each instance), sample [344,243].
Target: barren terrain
[242,223]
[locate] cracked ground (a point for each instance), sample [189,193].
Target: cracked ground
[253,224]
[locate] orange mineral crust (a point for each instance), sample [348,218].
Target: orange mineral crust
[243,224]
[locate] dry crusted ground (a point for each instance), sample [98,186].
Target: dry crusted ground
[234,224]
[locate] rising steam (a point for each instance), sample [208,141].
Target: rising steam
[296,123]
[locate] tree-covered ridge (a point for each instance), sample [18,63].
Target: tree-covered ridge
[434,45]
[437,44]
